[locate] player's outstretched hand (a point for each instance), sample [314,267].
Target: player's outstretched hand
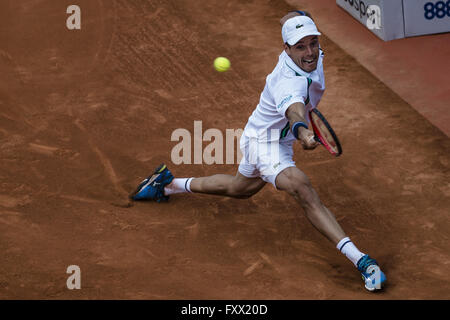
[307,140]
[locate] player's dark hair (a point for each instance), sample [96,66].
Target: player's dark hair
[303,13]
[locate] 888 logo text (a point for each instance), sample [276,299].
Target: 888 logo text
[437,10]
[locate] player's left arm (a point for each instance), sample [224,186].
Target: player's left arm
[296,114]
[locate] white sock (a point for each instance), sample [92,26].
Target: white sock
[347,247]
[178,185]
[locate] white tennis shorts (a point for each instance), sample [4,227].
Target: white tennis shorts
[265,159]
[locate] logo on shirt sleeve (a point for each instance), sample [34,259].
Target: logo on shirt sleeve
[283,102]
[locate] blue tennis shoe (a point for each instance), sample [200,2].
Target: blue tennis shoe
[373,277]
[152,188]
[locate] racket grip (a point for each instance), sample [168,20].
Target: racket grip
[317,139]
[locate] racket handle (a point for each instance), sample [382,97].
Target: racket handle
[317,139]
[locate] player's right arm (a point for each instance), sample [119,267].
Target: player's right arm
[297,113]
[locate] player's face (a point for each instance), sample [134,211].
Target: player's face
[305,53]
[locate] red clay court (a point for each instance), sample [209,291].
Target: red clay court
[85,115]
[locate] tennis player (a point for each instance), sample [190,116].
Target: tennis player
[294,87]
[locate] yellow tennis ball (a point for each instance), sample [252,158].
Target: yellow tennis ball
[222,64]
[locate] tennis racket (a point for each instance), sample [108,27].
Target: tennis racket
[324,134]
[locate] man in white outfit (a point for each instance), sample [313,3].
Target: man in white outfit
[294,87]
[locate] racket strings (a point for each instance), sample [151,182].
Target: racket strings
[324,133]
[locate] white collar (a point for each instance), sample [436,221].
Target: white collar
[291,64]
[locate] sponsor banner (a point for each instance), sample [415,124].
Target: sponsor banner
[383,17]
[426,17]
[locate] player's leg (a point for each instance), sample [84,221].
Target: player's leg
[297,184]
[161,184]
[237,186]
[244,184]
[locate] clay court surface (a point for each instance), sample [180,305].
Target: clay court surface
[86,115]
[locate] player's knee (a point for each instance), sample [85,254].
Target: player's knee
[306,193]
[300,187]
[294,180]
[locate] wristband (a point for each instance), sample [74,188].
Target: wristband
[295,127]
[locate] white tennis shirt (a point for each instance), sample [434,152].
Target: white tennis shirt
[286,85]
